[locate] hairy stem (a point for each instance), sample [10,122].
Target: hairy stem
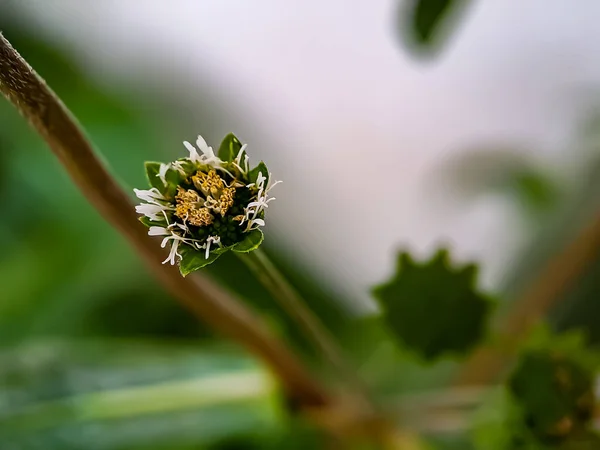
[555,278]
[313,329]
[50,118]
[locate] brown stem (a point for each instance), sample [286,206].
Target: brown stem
[543,293]
[45,112]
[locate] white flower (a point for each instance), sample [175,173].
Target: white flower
[174,245]
[211,240]
[158,231]
[152,195]
[262,201]
[208,155]
[243,166]
[152,211]
[194,156]
[172,215]
[177,165]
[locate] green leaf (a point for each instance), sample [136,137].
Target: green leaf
[229,148]
[260,168]
[251,242]
[151,223]
[434,308]
[427,21]
[192,260]
[152,169]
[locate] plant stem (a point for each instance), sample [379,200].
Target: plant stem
[21,85]
[314,330]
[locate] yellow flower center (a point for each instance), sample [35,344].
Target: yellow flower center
[189,210]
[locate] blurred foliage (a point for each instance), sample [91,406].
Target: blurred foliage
[131,394]
[554,384]
[506,170]
[549,399]
[434,308]
[425,24]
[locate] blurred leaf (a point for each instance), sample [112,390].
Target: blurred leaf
[535,191]
[504,170]
[229,148]
[497,424]
[251,242]
[428,21]
[434,308]
[554,383]
[124,394]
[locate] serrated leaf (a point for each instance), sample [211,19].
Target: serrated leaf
[192,260]
[260,168]
[427,21]
[434,308]
[251,242]
[229,148]
[152,169]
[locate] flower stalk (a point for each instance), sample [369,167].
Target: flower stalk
[313,329]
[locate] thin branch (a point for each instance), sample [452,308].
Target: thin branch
[543,293]
[50,118]
[314,330]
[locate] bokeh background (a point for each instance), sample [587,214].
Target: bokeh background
[490,145]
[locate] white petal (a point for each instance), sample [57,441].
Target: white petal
[238,158]
[173,253]
[194,156]
[162,172]
[149,195]
[158,231]
[163,244]
[204,148]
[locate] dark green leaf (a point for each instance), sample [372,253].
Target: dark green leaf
[427,20]
[229,148]
[434,308]
[152,169]
[251,242]
[192,260]
[260,168]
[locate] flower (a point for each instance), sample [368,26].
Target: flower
[206,204]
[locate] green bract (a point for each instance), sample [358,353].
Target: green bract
[205,205]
